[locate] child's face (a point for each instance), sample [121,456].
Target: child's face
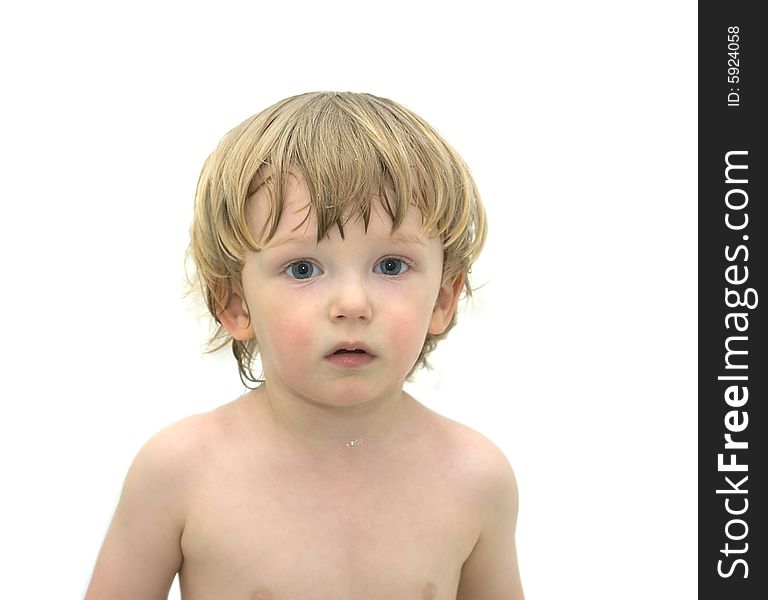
[377,291]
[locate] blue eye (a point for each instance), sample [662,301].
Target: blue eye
[391,266]
[302,269]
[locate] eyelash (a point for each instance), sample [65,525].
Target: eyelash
[288,270]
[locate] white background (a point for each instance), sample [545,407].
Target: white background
[577,357]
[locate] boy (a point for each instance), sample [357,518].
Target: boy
[332,235]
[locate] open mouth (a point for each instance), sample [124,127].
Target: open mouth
[351,355]
[351,347]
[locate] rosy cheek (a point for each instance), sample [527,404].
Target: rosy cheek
[292,326]
[404,328]
[294,332]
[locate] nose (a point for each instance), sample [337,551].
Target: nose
[351,301]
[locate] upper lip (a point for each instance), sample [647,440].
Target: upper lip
[350,346]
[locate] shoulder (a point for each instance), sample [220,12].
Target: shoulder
[185,443]
[141,552]
[478,464]
[166,471]
[483,472]
[172,458]
[171,466]
[162,466]
[178,442]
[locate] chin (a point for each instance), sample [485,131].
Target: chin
[346,393]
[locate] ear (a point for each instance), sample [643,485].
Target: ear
[445,306]
[236,319]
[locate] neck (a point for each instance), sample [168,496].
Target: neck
[350,434]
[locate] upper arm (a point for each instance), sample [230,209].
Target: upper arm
[491,572]
[141,552]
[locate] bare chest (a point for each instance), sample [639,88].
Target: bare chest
[275,532]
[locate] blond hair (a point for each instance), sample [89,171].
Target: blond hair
[350,149]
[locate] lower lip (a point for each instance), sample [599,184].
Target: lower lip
[350,359]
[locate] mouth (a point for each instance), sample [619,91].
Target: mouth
[350,355]
[350,349]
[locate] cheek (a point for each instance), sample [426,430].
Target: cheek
[288,326]
[408,327]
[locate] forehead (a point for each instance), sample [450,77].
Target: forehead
[298,218]
[296,208]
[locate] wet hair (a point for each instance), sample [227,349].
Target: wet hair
[351,150]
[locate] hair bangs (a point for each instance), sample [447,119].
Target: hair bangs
[351,153]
